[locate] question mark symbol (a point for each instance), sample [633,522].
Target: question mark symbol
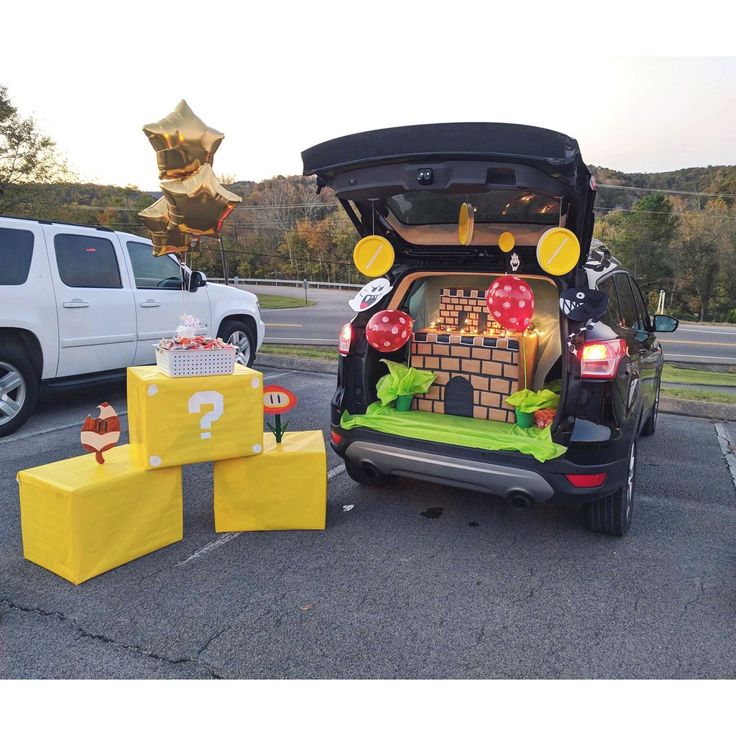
[213,399]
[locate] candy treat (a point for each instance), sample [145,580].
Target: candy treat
[186,338]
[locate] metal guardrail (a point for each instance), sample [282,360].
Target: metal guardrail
[237,281]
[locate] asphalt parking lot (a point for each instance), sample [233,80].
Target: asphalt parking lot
[471,589]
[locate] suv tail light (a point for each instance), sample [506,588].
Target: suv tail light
[600,359]
[586,480]
[346,337]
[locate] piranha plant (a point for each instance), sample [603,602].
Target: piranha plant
[526,402]
[401,383]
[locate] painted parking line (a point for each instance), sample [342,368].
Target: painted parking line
[224,539]
[282,324]
[728,448]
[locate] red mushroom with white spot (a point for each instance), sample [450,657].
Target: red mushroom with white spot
[511,302]
[389,330]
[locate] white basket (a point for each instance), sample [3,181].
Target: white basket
[180,363]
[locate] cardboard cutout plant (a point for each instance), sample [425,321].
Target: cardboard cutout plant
[402,381]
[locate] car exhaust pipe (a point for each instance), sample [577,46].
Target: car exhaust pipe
[371,469]
[520,500]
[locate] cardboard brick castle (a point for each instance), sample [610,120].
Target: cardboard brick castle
[477,362]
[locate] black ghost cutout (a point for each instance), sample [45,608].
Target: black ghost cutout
[582,305]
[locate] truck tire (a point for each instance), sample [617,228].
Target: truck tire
[612,514]
[365,477]
[241,335]
[19,386]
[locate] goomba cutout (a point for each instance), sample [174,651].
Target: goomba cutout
[370,294]
[582,305]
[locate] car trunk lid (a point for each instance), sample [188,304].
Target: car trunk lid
[407,184]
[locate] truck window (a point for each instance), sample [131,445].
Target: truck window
[153,272]
[16,251]
[87,262]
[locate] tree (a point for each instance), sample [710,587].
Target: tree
[26,154]
[705,242]
[642,238]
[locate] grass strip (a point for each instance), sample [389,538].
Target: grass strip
[297,351]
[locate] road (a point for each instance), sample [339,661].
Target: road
[320,325]
[471,589]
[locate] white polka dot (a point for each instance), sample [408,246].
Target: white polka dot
[512,320]
[255,382]
[506,305]
[386,344]
[256,448]
[403,334]
[522,303]
[507,288]
[402,320]
[152,390]
[384,319]
[154,460]
[394,330]
[497,314]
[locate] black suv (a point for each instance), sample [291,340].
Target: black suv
[406,184]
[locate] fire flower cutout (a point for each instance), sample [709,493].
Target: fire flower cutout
[194,201]
[101,434]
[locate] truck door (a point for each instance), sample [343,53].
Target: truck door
[94,300]
[159,299]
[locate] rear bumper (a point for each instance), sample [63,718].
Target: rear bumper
[503,474]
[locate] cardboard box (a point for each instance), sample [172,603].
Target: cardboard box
[283,488]
[80,519]
[178,421]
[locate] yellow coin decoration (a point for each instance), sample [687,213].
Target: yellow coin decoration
[558,251]
[466,223]
[373,256]
[506,241]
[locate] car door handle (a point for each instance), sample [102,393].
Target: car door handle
[150,303]
[75,304]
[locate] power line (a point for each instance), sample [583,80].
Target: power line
[676,214]
[664,191]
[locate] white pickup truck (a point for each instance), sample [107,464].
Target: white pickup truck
[84,301]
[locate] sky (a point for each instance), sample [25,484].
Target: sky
[277,78]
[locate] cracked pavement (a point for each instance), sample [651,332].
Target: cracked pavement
[480,590]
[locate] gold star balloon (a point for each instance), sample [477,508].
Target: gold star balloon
[182,141]
[166,239]
[198,204]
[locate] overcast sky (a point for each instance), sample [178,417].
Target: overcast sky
[277,79]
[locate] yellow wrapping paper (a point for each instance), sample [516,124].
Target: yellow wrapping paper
[177,421]
[80,519]
[283,488]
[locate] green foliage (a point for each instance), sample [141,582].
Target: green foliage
[715,397]
[692,377]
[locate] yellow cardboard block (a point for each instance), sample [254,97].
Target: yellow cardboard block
[283,488]
[177,421]
[80,519]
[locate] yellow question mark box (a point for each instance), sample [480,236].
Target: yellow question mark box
[193,419]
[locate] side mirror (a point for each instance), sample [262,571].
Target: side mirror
[663,323]
[196,280]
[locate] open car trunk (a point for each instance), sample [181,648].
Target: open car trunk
[407,185]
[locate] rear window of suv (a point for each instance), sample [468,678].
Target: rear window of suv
[437,208]
[16,251]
